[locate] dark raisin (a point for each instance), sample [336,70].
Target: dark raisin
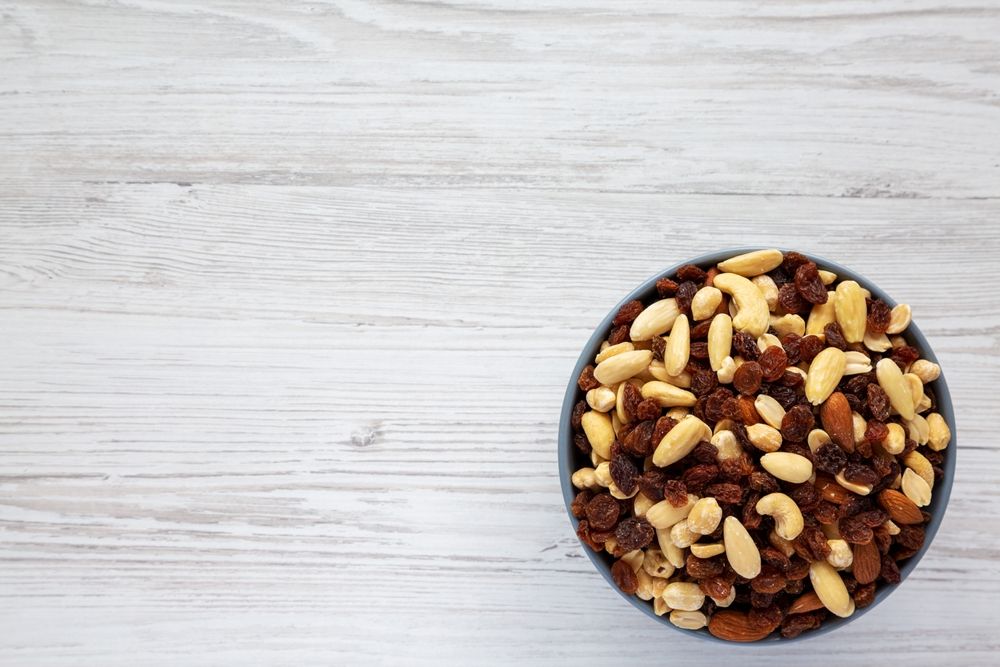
[703,568]
[785,396]
[790,299]
[835,336]
[685,293]
[583,532]
[864,596]
[665,287]
[714,402]
[746,411]
[766,618]
[736,468]
[890,571]
[658,345]
[749,517]
[581,442]
[697,477]
[859,474]
[850,583]
[699,350]
[791,343]
[627,313]
[773,362]
[878,402]
[854,402]
[905,355]
[826,513]
[725,493]
[909,445]
[663,426]
[797,423]
[879,314]
[770,580]
[624,577]
[675,492]
[814,544]
[705,452]
[602,512]
[775,558]
[700,330]
[854,531]
[703,382]
[634,533]
[691,272]
[809,347]
[579,506]
[829,458]
[625,475]
[792,261]
[576,418]
[883,540]
[587,381]
[872,518]
[631,398]
[936,458]
[648,409]
[761,600]
[763,482]
[651,484]
[619,335]
[798,568]
[857,384]
[805,496]
[854,506]
[745,346]
[716,587]
[876,431]
[809,284]
[747,378]
[639,439]
[794,625]
[795,587]
[791,379]
[910,537]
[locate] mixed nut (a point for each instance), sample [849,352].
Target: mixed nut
[761,441]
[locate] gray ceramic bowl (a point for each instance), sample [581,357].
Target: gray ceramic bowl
[570,459]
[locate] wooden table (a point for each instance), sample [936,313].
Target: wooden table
[290,292]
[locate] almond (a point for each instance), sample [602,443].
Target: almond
[830,490]
[734,626]
[850,310]
[806,602]
[900,508]
[825,371]
[867,563]
[838,421]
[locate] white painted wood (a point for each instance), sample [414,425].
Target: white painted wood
[290,292]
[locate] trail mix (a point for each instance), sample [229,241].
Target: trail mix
[762,439]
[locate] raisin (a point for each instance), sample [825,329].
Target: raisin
[691,272]
[857,384]
[767,618]
[905,355]
[798,568]
[627,313]
[619,335]
[859,474]
[703,382]
[639,439]
[876,431]
[854,402]
[878,402]
[685,293]
[697,477]
[775,558]
[749,517]
[890,571]
[770,580]
[829,458]
[617,449]
[791,343]
[909,445]
[854,506]
[700,330]
[826,513]
[809,284]
[797,423]
[736,468]
[938,474]
[665,287]
[872,518]
[699,350]
[625,475]
[785,396]
[790,299]
[792,261]
[716,587]
[855,532]
[761,600]
[773,362]
[791,379]
[794,625]
[795,587]
[576,418]
[675,492]
[809,347]
[579,506]
[663,426]
[631,398]
[911,537]
[936,458]
[747,378]
[587,381]
[864,596]
[883,540]
[658,345]
[879,314]
[813,543]
[745,346]
[624,577]
[651,484]
[705,452]
[725,493]
[583,532]
[714,402]
[835,336]
[747,411]
[634,533]
[901,553]
[648,409]
[703,568]
[850,583]
[581,442]
[602,512]
[763,482]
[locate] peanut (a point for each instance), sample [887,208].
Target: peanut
[688,620]
[682,536]
[927,371]
[890,378]
[860,489]
[770,410]
[645,589]
[660,607]
[899,319]
[825,371]
[939,435]
[741,552]
[685,596]
[817,438]
[727,444]
[665,515]
[656,564]
[763,437]
[597,428]
[601,399]
[656,319]
[895,442]
[752,314]
[788,467]
[827,277]
[641,504]
[766,340]
[916,388]
[705,302]
[752,264]
[634,559]
[918,429]
[787,324]
[916,488]
[707,550]
[678,350]
[856,362]
[603,474]
[919,464]
[705,516]
[675,555]
[680,440]
[877,342]
[584,478]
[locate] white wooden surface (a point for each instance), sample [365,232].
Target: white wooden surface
[290,291]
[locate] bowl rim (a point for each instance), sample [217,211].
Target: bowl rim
[644,292]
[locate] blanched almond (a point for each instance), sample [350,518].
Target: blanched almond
[788,467]
[667,395]
[890,378]
[830,589]
[655,320]
[742,553]
[681,440]
[825,371]
[622,366]
[597,427]
[851,311]
[678,350]
[822,314]
[720,340]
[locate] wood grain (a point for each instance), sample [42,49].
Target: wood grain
[290,292]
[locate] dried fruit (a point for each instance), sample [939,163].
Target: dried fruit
[624,577]
[587,380]
[794,625]
[834,336]
[725,493]
[716,587]
[876,431]
[878,402]
[748,378]
[879,314]
[765,618]
[791,300]
[651,484]
[829,458]
[703,382]
[809,285]
[854,531]
[905,355]
[619,335]
[770,580]
[576,417]
[864,596]
[665,287]
[625,475]
[647,409]
[890,571]
[773,361]
[859,474]
[579,505]
[685,293]
[691,272]
[627,313]
[745,346]
[675,492]
[663,426]
[602,512]
[703,568]
[634,533]
[763,482]
[639,440]
[797,423]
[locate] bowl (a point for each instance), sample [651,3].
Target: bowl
[570,458]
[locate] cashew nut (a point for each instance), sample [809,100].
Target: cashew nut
[788,522]
[752,314]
